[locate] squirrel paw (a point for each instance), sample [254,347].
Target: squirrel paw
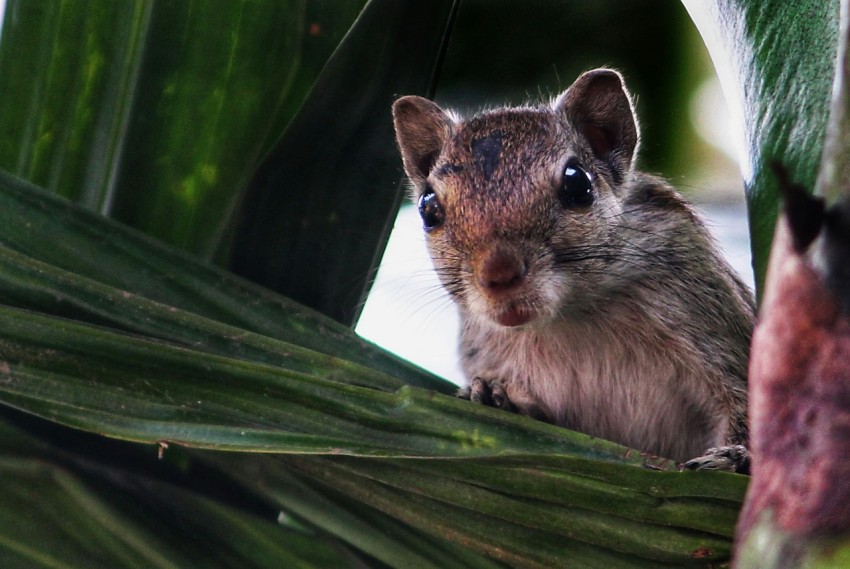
[488,392]
[492,392]
[734,458]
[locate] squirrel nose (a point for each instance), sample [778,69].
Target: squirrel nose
[501,271]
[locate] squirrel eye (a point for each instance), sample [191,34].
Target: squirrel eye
[430,209]
[576,191]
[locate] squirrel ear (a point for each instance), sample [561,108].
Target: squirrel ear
[601,110]
[421,129]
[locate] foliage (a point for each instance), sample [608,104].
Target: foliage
[285,439]
[776,61]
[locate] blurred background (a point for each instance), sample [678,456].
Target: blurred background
[506,52]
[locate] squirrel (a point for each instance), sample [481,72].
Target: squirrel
[590,294]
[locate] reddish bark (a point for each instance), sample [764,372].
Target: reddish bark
[799,400]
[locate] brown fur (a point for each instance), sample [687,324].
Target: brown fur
[619,319]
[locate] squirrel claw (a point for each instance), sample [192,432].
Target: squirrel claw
[734,458]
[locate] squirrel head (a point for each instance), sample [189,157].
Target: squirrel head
[511,197]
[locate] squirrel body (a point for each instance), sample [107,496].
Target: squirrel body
[590,295]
